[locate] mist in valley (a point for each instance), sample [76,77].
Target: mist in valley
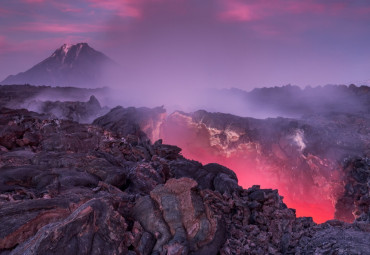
[233,82]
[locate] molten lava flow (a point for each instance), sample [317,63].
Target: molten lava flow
[301,180]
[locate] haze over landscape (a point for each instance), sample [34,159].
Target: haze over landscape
[212,43]
[184,127]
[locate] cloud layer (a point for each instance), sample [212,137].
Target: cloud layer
[208,43]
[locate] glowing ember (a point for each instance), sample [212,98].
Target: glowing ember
[302,180]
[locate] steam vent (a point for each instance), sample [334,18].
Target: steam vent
[79,177]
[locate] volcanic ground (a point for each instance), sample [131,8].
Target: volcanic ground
[79,178]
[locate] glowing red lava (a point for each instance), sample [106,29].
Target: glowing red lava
[304,190]
[320,209]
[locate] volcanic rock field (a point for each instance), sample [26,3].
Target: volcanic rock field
[80,178]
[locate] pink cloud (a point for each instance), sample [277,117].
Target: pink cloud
[124,8]
[71,10]
[58,28]
[237,11]
[244,11]
[231,10]
[64,7]
[305,6]
[34,1]
[61,6]
[38,45]
[316,7]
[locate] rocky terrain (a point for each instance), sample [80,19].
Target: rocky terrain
[61,102]
[70,188]
[300,157]
[355,201]
[18,96]
[143,122]
[114,187]
[84,112]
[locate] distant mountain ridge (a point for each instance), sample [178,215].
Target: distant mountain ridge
[69,65]
[290,101]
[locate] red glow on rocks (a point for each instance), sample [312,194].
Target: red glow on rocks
[305,189]
[319,208]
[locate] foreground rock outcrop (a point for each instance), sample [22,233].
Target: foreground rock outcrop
[355,201]
[143,122]
[83,112]
[70,188]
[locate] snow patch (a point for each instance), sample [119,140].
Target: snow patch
[78,50]
[66,47]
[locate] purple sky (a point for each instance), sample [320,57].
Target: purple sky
[207,43]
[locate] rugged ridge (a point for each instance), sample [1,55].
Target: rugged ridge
[70,103]
[76,188]
[83,112]
[290,101]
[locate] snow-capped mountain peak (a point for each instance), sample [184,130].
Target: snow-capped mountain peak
[69,65]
